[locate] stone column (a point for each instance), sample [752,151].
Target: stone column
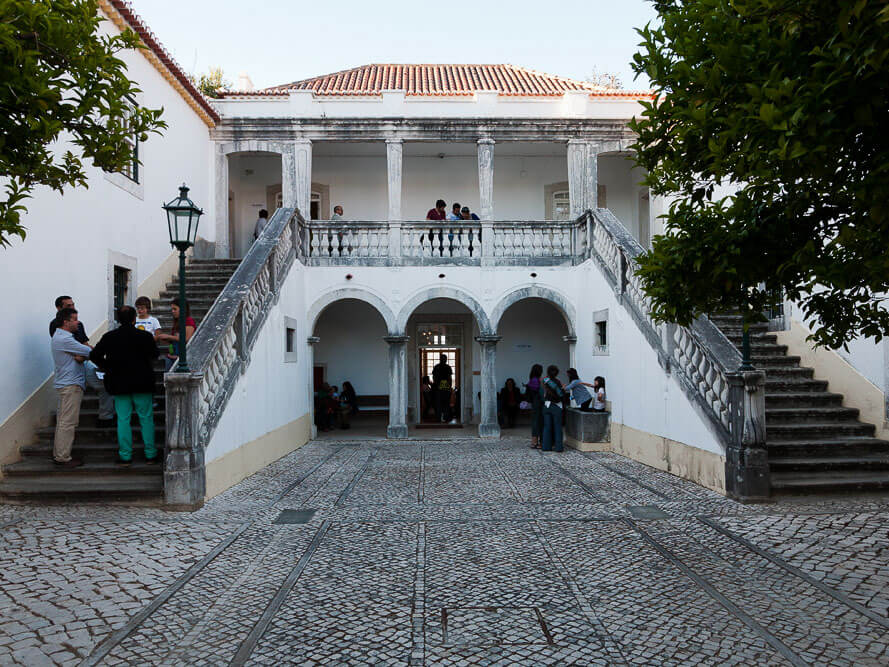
[394,149]
[220,167]
[288,175]
[747,476]
[576,176]
[486,178]
[488,427]
[572,350]
[397,386]
[185,481]
[303,176]
[310,360]
[591,176]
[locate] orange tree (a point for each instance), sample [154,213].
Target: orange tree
[780,103]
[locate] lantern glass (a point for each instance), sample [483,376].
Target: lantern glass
[182,219]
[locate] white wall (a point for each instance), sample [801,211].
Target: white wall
[352,347]
[71,237]
[249,179]
[532,332]
[271,393]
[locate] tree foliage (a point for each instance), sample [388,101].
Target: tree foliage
[61,82]
[785,104]
[211,83]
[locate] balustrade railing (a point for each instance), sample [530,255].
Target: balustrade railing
[219,352]
[467,242]
[703,360]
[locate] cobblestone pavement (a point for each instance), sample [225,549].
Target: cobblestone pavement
[448,552]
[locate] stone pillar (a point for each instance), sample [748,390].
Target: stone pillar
[572,350]
[394,148]
[288,175]
[185,481]
[591,176]
[220,167]
[489,427]
[303,176]
[746,458]
[486,178]
[310,360]
[397,386]
[576,176]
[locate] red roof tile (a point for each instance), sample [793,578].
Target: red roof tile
[442,81]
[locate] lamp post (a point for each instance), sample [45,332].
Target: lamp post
[182,220]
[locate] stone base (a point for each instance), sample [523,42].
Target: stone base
[397,431]
[588,431]
[587,446]
[491,430]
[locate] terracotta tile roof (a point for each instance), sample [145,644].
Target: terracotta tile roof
[122,15]
[442,81]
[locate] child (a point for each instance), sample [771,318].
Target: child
[599,392]
[144,319]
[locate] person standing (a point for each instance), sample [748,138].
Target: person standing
[553,394]
[337,213]
[441,382]
[455,212]
[536,401]
[466,214]
[578,390]
[510,397]
[261,223]
[90,372]
[68,357]
[173,337]
[127,354]
[144,319]
[437,213]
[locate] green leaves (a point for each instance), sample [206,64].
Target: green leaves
[786,103]
[61,81]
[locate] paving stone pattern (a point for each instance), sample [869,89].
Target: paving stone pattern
[457,552]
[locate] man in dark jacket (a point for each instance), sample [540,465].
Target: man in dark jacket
[127,356]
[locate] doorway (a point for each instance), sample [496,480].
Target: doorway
[435,341]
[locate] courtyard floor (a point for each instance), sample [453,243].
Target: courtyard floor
[448,552]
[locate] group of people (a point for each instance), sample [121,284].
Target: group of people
[457,212]
[546,397]
[334,407]
[120,368]
[438,395]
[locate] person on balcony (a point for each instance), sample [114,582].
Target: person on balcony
[437,213]
[455,212]
[466,214]
[337,213]
[261,223]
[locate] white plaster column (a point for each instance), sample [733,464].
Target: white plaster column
[488,426]
[288,175]
[576,176]
[220,167]
[394,150]
[572,350]
[486,178]
[591,176]
[397,386]
[310,360]
[303,175]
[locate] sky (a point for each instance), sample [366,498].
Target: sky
[279,41]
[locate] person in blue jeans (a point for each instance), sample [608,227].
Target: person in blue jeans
[553,394]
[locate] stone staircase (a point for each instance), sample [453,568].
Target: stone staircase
[36,478]
[815,445]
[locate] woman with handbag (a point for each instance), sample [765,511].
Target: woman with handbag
[536,400]
[553,395]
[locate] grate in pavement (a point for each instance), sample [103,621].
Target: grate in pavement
[493,626]
[295,516]
[647,512]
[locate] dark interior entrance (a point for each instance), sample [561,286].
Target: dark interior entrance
[436,403]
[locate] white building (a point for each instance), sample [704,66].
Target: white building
[545,275]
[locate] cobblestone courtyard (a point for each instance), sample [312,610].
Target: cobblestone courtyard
[448,552]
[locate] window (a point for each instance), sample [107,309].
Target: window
[600,332]
[315,206]
[289,340]
[121,286]
[440,335]
[131,170]
[561,205]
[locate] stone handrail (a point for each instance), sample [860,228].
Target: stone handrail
[700,357]
[219,352]
[427,242]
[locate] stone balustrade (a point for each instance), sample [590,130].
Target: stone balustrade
[700,357]
[462,242]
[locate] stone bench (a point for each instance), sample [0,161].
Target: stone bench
[588,431]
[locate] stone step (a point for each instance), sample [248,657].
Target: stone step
[106,487]
[218,261]
[818,414]
[817,431]
[768,361]
[89,415]
[829,482]
[792,385]
[204,271]
[861,462]
[790,372]
[105,450]
[194,294]
[98,434]
[736,329]
[92,466]
[842,447]
[197,281]
[803,399]
[755,339]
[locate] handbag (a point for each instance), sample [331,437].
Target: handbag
[524,405]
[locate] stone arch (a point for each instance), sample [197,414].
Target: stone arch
[352,293]
[534,291]
[444,292]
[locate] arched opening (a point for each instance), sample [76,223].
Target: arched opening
[351,348]
[533,331]
[442,327]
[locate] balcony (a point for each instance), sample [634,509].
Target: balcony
[433,243]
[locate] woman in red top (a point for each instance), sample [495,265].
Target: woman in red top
[173,337]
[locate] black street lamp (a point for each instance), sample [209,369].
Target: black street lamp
[182,219]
